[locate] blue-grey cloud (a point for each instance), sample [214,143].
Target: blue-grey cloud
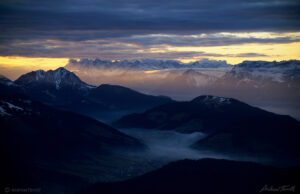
[204,40]
[150,16]
[132,21]
[136,46]
[250,55]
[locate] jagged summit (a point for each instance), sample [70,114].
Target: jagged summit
[144,64]
[62,89]
[262,71]
[208,99]
[267,64]
[191,72]
[59,77]
[206,63]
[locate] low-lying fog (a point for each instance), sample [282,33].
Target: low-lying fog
[166,146]
[170,145]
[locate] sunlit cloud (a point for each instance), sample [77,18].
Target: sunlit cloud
[233,53]
[234,47]
[49,32]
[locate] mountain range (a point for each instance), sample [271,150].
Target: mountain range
[143,64]
[266,80]
[233,127]
[50,140]
[270,85]
[245,72]
[64,90]
[252,75]
[47,147]
[282,71]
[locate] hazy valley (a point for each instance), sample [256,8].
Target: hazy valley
[63,135]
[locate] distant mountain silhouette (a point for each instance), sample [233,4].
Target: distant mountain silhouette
[200,114]
[46,139]
[209,176]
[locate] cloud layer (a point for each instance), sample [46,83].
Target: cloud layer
[174,16]
[130,29]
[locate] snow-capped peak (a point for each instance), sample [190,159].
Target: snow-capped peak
[144,64]
[61,72]
[263,71]
[212,100]
[59,77]
[39,74]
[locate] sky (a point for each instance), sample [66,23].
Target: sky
[47,34]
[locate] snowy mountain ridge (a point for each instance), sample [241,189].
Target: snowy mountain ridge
[59,77]
[210,100]
[261,70]
[144,64]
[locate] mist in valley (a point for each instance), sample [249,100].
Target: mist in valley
[167,145]
[164,146]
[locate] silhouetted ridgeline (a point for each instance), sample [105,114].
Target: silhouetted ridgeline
[209,176]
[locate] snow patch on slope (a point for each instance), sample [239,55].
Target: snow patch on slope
[12,106]
[3,112]
[217,100]
[212,101]
[262,70]
[40,74]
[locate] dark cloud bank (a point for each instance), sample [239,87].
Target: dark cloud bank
[121,21]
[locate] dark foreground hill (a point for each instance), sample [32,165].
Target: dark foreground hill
[206,114]
[233,127]
[48,130]
[54,149]
[209,176]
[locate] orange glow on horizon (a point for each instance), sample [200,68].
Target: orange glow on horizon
[13,67]
[41,63]
[151,71]
[230,53]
